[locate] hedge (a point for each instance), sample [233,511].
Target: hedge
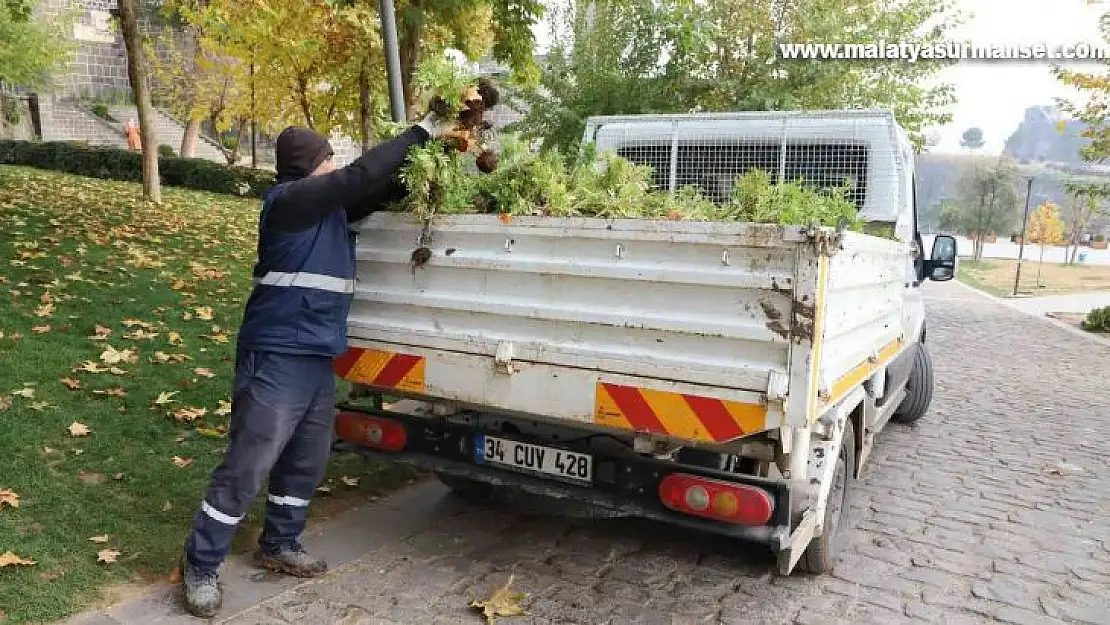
[116,164]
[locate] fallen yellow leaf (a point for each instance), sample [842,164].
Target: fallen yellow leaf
[205,372]
[116,371]
[216,432]
[181,462]
[70,383]
[41,405]
[175,338]
[25,392]
[40,329]
[8,497]
[140,335]
[11,559]
[112,356]
[46,310]
[503,602]
[99,539]
[187,316]
[92,367]
[204,313]
[79,429]
[112,392]
[188,413]
[107,556]
[224,408]
[164,398]
[217,338]
[349,481]
[136,322]
[5,403]
[102,333]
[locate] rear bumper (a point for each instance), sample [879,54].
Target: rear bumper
[624,484]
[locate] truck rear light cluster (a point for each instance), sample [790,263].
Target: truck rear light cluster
[373,432]
[716,499]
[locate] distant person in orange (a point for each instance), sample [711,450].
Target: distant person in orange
[131,129]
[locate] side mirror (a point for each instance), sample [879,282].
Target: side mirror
[942,263]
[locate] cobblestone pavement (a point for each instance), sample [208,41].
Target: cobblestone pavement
[960,519]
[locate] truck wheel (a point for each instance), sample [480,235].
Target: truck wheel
[466,488]
[919,388]
[823,551]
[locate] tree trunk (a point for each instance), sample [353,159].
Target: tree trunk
[365,110]
[136,74]
[190,138]
[410,56]
[1040,263]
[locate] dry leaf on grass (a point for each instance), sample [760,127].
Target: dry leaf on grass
[140,335]
[163,357]
[131,323]
[164,398]
[25,392]
[101,333]
[181,462]
[8,497]
[99,539]
[46,310]
[204,313]
[70,383]
[216,432]
[112,356]
[224,408]
[5,403]
[11,559]
[112,392]
[205,372]
[107,556]
[92,367]
[174,338]
[79,429]
[40,329]
[38,406]
[216,338]
[349,481]
[503,602]
[90,478]
[188,413]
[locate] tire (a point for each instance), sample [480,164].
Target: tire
[823,551]
[466,488]
[919,388]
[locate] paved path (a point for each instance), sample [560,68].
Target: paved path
[959,520]
[1071,303]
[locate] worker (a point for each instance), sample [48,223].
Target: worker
[283,401]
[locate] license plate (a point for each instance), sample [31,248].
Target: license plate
[560,463]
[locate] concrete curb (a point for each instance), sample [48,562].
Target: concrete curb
[339,541]
[1056,322]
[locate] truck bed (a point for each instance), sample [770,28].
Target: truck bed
[701,332]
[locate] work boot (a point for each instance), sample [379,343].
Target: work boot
[291,559]
[203,596]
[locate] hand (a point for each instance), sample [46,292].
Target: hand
[435,126]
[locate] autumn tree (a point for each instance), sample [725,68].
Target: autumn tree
[972,139]
[659,56]
[31,50]
[137,74]
[990,200]
[1045,228]
[1085,202]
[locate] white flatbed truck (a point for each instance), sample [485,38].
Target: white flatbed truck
[725,377]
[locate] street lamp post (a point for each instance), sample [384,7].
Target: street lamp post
[392,60]
[1024,222]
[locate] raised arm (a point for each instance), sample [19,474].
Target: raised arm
[303,203]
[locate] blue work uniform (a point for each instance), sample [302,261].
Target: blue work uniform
[294,325]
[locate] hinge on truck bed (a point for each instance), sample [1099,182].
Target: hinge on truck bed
[503,359]
[778,383]
[827,242]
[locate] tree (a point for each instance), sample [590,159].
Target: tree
[642,56]
[30,50]
[1045,228]
[137,75]
[990,200]
[951,217]
[1085,203]
[1094,112]
[972,139]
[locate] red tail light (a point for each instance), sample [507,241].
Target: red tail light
[375,432]
[716,499]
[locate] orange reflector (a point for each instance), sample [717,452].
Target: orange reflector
[375,432]
[716,499]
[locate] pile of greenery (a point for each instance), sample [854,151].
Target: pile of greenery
[442,181]
[1098,320]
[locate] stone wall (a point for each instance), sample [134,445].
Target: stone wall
[98,66]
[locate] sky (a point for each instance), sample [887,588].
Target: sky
[993,95]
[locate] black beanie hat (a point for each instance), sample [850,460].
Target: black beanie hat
[300,151]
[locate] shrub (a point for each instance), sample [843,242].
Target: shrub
[165,151]
[115,164]
[1100,238]
[101,111]
[1098,320]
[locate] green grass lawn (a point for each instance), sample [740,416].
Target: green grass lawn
[117,316]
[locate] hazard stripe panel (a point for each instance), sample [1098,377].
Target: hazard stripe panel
[382,369]
[691,417]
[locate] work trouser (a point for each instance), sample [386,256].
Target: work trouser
[282,414]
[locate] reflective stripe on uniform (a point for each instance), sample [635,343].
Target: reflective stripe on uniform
[216,515]
[286,500]
[308,281]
